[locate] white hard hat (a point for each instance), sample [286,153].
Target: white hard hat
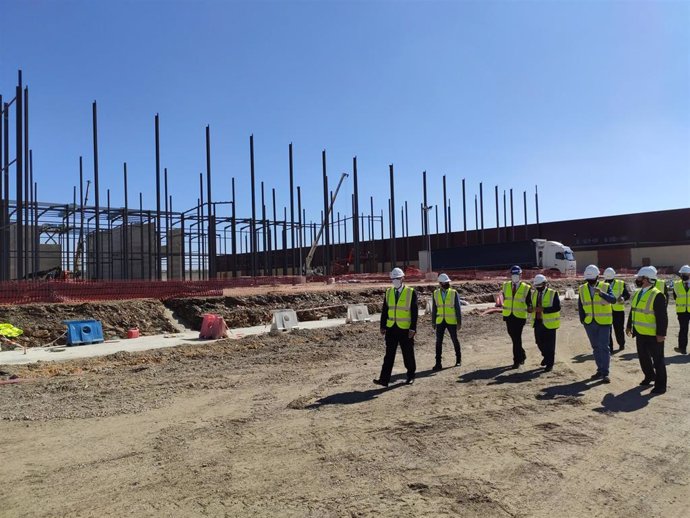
[443,278]
[647,271]
[591,272]
[397,273]
[539,279]
[684,269]
[609,274]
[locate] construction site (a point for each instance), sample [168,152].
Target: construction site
[155,417]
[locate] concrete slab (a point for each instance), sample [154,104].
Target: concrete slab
[146,343]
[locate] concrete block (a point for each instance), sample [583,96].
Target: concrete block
[357,313]
[284,320]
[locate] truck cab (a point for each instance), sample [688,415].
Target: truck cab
[552,255]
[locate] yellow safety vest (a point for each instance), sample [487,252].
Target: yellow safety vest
[617,286]
[682,296]
[596,308]
[399,312]
[445,309]
[660,285]
[643,317]
[550,320]
[515,305]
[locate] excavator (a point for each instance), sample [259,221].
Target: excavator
[310,256]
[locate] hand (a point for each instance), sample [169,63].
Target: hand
[621,300]
[628,332]
[529,309]
[433,326]
[538,311]
[383,331]
[660,339]
[411,333]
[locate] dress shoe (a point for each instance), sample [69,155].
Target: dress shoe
[611,350]
[646,381]
[522,362]
[515,366]
[437,367]
[548,368]
[622,347]
[679,350]
[543,363]
[410,381]
[606,379]
[596,376]
[658,390]
[458,362]
[379,382]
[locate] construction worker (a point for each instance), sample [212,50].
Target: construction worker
[398,325]
[515,303]
[648,322]
[660,285]
[681,292]
[546,318]
[445,314]
[594,306]
[620,291]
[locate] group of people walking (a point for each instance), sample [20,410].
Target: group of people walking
[600,306]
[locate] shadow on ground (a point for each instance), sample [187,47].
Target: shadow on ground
[482,374]
[629,401]
[575,389]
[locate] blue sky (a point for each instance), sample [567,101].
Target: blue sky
[589,100]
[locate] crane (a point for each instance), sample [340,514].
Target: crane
[79,251]
[310,255]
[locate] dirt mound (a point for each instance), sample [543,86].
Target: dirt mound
[43,323]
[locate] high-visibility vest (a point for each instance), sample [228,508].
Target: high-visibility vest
[445,309]
[682,296]
[643,317]
[660,285]
[596,308]
[515,305]
[399,311]
[617,286]
[550,320]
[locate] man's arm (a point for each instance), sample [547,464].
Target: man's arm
[384,313]
[458,312]
[434,311]
[580,310]
[626,293]
[414,310]
[608,296]
[661,316]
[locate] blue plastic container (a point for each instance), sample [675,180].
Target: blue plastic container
[82,332]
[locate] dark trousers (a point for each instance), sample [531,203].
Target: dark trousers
[546,341]
[394,337]
[515,326]
[453,332]
[651,355]
[683,320]
[618,328]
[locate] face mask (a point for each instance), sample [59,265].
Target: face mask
[515,278]
[445,286]
[397,283]
[541,288]
[591,282]
[685,277]
[638,283]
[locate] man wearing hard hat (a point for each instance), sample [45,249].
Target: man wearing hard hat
[648,322]
[445,314]
[594,306]
[681,292]
[515,303]
[620,291]
[546,318]
[398,325]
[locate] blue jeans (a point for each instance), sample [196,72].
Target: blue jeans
[599,338]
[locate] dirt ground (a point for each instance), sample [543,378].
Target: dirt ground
[291,425]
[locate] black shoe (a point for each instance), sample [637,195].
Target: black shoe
[458,362]
[410,381]
[379,382]
[515,366]
[658,390]
[646,381]
[543,363]
[679,350]
[548,368]
[611,350]
[522,362]
[596,376]
[437,367]
[622,347]
[605,379]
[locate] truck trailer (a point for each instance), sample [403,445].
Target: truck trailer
[535,253]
